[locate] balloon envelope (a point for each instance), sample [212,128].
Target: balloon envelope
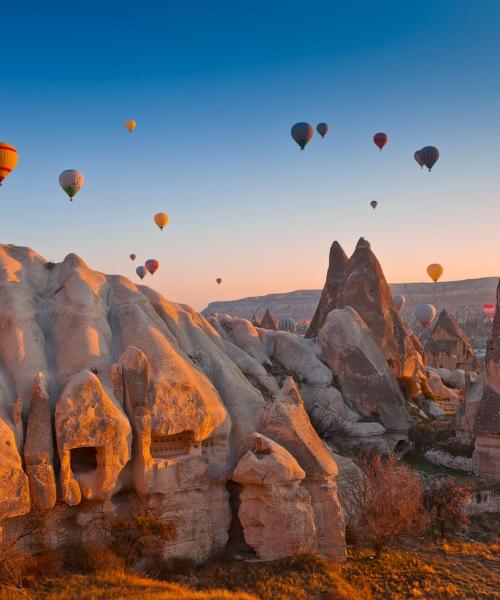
[418,158]
[380,139]
[133,257]
[141,271]
[8,160]
[219,280]
[399,301]
[71,182]
[425,314]
[429,156]
[152,265]
[286,324]
[374,204]
[161,219]
[435,271]
[130,125]
[302,134]
[322,129]
[489,311]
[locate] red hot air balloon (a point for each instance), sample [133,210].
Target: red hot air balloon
[380,139]
[152,265]
[489,311]
[219,280]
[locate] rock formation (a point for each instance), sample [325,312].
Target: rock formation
[486,456]
[447,346]
[269,321]
[147,396]
[364,377]
[275,510]
[331,290]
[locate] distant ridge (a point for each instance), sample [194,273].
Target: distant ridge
[462,298]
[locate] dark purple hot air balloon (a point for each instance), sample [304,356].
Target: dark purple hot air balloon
[429,156]
[302,134]
[322,129]
[374,204]
[141,271]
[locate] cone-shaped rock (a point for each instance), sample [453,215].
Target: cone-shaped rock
[269,321]
[331,290]
[448,348]
[366,290]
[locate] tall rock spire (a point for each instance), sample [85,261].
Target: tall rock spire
[331,290]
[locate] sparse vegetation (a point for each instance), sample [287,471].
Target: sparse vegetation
[447,500]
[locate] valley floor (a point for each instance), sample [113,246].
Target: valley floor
[452,570]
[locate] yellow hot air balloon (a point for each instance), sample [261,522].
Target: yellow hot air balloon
[161,219]
[435,271]
[8,160]
[130,125]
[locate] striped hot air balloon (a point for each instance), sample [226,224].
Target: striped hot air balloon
[489,311]
[425,314]
[286,324]
[429,156]
[8,160]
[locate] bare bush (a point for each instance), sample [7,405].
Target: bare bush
[447,499]
[386,503]
[140,534]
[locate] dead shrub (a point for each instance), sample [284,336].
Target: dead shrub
[387,503]
[91,558]
[447,499]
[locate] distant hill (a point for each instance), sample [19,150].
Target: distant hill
[462,298]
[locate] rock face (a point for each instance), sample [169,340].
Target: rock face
[486,456]
[144,396]
[285,421]
[331,290]
[447,346]
[269,321]
[365,379]
[275,510]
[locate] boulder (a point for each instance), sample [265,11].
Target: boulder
[364,377]
[331,290]
[275,508]
[14,487]
[285,420]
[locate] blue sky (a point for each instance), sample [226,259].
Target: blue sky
[215,87]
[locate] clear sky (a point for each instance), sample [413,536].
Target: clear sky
[215,87]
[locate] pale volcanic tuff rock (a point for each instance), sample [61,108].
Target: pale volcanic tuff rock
[331,290]
[275,511]
[269,321]
[364,377]
[142,394]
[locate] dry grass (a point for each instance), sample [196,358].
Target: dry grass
[455,570]
[125,586]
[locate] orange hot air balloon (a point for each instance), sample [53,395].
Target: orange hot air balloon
[130,125]
[219,280]
[152,265]
[161,219]
[435,271]
[8,160]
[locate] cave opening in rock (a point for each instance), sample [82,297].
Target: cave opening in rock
[84,459]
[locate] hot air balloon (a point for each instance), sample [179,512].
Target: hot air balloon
[425,314]
[434,271]
[374,204]
[152,265]
[8,160]
[380,139]
[399,301]
[302,134]
[489,311]
[130,125]
[286,324]
[418,158]
[161,219]
[141,271]
[322,129]
[429,156]
[71,182]
[219,280]
[133,257]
